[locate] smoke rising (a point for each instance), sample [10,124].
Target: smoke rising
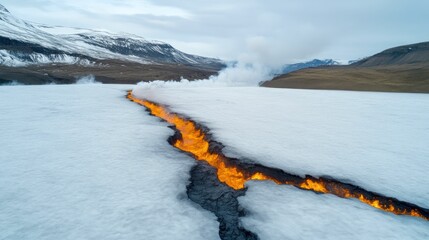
[89,79]
[258,63]
[233,76]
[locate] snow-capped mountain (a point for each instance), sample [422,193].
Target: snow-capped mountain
[24,43]
[128,45]
[313,63]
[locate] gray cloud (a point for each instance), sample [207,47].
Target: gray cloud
[266,31]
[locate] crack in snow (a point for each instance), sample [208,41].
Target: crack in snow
[193,138]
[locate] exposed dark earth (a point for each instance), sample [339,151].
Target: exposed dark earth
[206,190]
[106,71]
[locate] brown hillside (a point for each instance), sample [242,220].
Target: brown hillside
[400,69]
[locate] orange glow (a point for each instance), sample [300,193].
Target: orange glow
[193,140]
[310,184]
[318,185]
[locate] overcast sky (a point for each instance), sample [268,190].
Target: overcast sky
[269,31]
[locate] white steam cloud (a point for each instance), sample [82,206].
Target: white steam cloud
[258,63]
[89,79]
[232,76]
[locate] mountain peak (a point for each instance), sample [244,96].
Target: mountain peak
[24,43]
[313,63]
[3,9]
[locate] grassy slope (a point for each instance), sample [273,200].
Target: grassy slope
[393,78]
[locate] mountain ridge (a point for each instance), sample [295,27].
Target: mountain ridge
[405,54]
[93,44]
[308,64]
[29,50]
[398,69]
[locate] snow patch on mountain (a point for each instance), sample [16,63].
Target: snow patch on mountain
[3,9]
[11,59]
[313,63]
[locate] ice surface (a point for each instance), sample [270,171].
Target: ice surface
[82,162]
[375,140]
[289,213]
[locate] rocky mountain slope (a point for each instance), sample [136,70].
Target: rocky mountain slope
[32,47]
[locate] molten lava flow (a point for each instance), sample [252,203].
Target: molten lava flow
[193,140]
[313,185]
[339,189]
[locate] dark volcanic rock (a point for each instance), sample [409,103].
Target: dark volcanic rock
[206,190]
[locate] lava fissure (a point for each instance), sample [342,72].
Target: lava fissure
[194,139]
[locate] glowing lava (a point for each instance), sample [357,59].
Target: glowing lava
[193,140]
[380,202]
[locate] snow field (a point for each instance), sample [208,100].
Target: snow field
[82,162]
